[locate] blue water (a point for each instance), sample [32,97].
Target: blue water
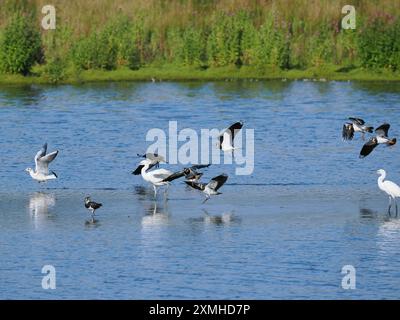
[310,207]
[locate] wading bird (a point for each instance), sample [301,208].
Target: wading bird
[42,160]
[227,137]
[155,177]
[92,206]
[380,138]
[191,173]
[211,188]
[356,125]
[392,189]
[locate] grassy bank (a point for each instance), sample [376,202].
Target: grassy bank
[102,40]
[173,73]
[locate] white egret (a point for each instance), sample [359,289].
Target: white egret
[392,189]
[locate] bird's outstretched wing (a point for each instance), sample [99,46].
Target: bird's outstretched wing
[348,131]
[357,120]
[49,157]
[227,137]
[42,160]
[200,166]
[196,185]
[174,176]
[41,152]
[368,147]
[383,130]
[217,182]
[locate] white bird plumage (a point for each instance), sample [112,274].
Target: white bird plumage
[389,187]
[155,177]
[42,161]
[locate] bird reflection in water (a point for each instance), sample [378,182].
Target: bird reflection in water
[40,204]
[156,215]
[225,218]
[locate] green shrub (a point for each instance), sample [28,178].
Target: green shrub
[20,46]
[379,44]
[54,70]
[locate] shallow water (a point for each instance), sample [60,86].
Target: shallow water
[309,208]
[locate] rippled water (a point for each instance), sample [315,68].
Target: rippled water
[309,208]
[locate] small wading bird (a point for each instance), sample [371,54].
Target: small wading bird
[92,206]
[211,188]
[191,173]
[42,161]
[356,125]
[380,138]
[227,137]
[392,189]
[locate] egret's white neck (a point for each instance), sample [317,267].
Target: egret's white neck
[381,178]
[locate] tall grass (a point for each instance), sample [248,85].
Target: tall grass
[106,34]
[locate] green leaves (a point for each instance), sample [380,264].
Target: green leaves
[379,44]
[20,46]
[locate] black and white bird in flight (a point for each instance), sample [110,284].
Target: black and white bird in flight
[226,139]
[211,188]
[190,174]
[356,125]
[91,206]
[380,138]
[42,161]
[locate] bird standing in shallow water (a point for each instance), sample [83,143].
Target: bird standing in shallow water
[389,187]
[92,206]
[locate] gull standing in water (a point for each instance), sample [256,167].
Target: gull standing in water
[380,138]
[42,161]
[356,125]
[227,137]
[211,188]
[392,189]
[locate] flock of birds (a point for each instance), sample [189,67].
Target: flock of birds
[381,137]
[149,169]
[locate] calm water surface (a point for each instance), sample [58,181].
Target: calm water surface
[309,208]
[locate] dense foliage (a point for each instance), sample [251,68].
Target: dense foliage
[201,33]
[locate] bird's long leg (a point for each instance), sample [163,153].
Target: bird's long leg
[155,191]
[390,204]
[363,136]
[166,192]
[395,202]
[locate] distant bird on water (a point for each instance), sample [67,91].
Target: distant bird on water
[356,125]
[389,187]
[91,206]
[226,139]
[42,161]
[211,188]
[380,138]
